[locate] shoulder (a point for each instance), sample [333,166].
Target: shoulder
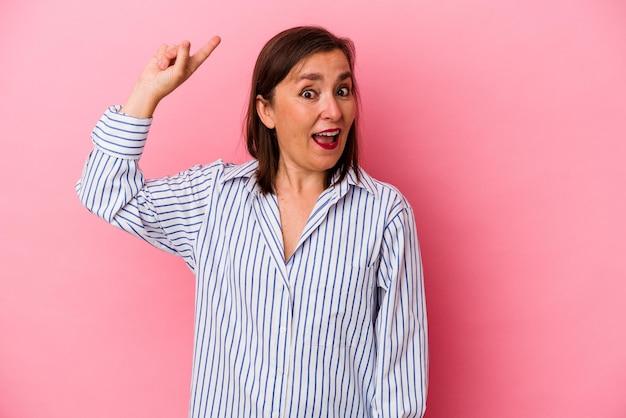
[221,171]
[386,194]
[232,171]
[200,176]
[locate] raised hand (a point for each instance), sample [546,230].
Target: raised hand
[171,66]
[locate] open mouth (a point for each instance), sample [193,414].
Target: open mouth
[328,139]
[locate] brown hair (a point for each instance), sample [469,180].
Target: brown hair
[279,55]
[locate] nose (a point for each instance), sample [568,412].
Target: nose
[330,109]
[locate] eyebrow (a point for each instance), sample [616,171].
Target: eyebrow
[317,77]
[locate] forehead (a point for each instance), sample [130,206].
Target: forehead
[320,65]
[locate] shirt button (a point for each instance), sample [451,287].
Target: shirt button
[275,415]
[283,330]
[280,371]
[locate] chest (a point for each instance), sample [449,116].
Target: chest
[294,216]
[250,232]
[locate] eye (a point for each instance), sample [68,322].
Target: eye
[344,91]
[308,94]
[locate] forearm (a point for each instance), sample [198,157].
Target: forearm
[111,177]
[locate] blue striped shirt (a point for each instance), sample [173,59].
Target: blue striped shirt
[337,330]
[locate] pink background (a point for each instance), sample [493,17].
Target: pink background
[503,122]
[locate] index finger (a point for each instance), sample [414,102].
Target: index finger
[203,53]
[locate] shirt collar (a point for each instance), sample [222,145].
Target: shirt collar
[248,170]
[366,182]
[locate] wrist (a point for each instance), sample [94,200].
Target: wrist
[141,103]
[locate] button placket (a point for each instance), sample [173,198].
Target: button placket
[282,360]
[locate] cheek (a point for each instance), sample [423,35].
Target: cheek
[349,111]
[295,118]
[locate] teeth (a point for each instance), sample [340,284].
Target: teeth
[328,133]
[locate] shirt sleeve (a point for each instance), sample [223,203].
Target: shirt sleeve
[166,212]
[401,324]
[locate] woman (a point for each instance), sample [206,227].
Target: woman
[309,290]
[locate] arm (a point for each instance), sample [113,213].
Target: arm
[164,212]
[401,325]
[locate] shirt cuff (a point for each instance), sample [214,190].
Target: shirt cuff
[121,135]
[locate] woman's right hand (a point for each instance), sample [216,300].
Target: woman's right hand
[170,67]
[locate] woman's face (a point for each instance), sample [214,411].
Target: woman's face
[312,111]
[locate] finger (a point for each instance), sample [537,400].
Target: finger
[171,52]
[161,59]
[203,53]
[182,58]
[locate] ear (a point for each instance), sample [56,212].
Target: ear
[264,110]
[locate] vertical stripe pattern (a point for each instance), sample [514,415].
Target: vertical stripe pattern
[338,330]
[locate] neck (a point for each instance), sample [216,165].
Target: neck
[299,182]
